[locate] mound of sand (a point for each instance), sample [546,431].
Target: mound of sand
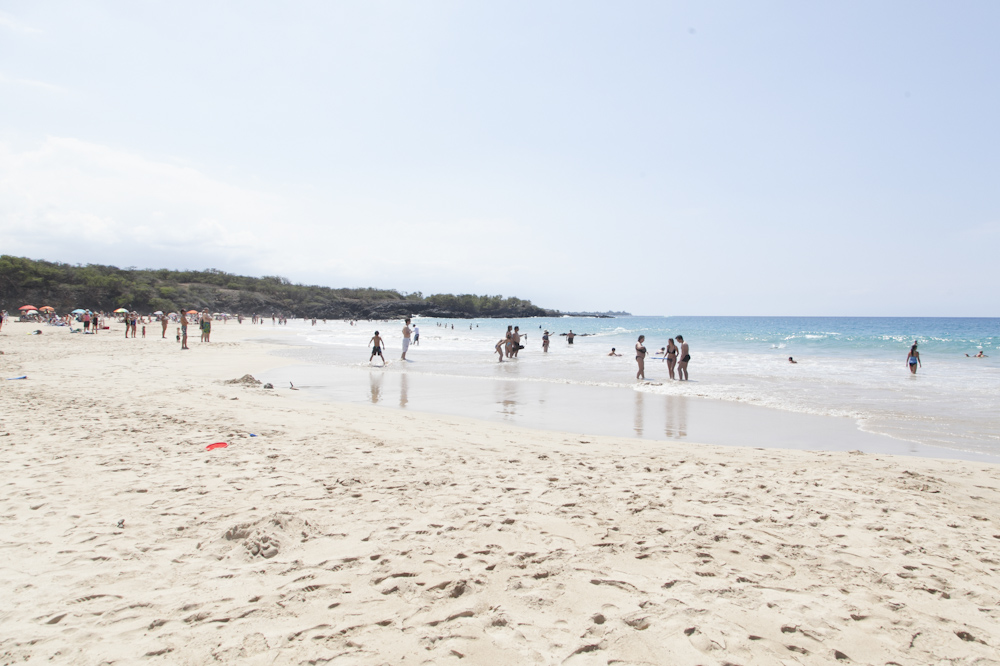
[245,380]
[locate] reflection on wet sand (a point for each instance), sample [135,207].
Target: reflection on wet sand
[639,402]
[676,411]
[376,385]
[507,398]
[404,390]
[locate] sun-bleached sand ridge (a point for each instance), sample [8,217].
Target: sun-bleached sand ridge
[353,534]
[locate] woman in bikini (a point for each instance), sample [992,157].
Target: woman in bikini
[640,357]
[913,359]
[671,357]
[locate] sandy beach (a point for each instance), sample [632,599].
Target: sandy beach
[344,533]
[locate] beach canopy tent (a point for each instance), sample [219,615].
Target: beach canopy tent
[120,310]
[158,312]
[27,307]
[78,311]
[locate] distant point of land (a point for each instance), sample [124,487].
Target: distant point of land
[610,314]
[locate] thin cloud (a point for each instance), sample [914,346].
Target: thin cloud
[9,22]
[30,83]
[74,200]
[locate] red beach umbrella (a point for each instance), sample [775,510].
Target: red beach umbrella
[27,307]
[46,308]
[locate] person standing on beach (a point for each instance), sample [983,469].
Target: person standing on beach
[682,365]
[376,343]
[545,342]
[913,359]
[671,357]
[500,348]
[515,341]
[164,320]
[184,330]
[570,336]
[509,335]
[406,337]
[207,325]
[416,335]
[640,357]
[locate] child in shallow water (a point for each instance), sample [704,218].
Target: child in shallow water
[376,347]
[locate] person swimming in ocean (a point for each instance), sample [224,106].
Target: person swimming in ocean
[792,360]
[613,352]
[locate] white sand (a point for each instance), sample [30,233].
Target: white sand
[354,534]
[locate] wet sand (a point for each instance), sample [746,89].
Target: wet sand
[594,410]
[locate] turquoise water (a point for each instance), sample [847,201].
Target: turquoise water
[848,367]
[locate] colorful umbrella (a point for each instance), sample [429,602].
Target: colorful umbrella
[192,312]
[27,307]
[78,311]
[120,310]
[47,308]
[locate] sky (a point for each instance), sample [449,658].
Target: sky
[663,158]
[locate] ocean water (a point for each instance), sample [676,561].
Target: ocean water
[848,367]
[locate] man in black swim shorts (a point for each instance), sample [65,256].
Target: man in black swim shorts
[682,364]
[376,348]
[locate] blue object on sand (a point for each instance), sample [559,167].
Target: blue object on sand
[21,377]
[252,435]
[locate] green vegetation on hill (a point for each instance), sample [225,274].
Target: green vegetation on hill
[64,287]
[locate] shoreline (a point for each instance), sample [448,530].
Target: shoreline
[345,532]
[553,404]
[598,411]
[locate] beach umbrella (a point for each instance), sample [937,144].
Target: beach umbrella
[158,312]
[30,312]
[192,312]
[78,311]
[47,308]
[27,307]
[120,310]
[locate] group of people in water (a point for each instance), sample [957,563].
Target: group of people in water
[676,354]
[409,335]
[676,357]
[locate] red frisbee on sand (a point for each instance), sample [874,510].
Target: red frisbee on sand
[217,445]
